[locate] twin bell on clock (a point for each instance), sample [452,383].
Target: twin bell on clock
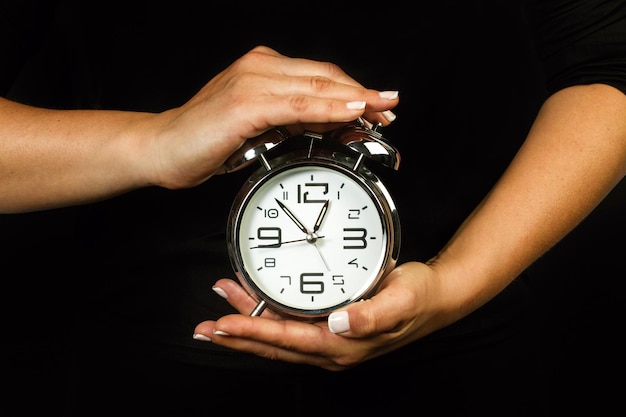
[313,228]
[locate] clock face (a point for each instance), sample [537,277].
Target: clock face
[311,238]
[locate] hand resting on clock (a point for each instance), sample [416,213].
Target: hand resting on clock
[89,155]
[549,187]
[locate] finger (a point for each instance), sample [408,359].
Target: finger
[261,349]
[274,352]
[303,109]
[323,87]
[385,118]
[315,78]
[264,58]
[303,337]
[287,340]
[239,298]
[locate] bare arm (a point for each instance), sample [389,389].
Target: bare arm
[52,158]
[573,156]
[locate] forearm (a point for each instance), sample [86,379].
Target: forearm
[573,156]
[51,158]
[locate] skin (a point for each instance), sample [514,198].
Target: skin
[573,156]
[55,158]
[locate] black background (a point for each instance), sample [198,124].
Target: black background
[470,86]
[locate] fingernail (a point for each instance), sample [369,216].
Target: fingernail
[220,292]
[220,333]
[391,95]
[389,115]
[339,322]
[202,337]
[355,105]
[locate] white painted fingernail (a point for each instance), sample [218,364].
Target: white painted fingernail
[220,292]
[367,123]
[391,95]
[202,337]
[339,322]
[355,105]
[220,333]
[389,115]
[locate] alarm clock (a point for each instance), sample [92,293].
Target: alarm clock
[313,228]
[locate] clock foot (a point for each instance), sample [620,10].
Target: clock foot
[258,309]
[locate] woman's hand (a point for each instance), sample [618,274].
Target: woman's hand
[260,90]
[573,156]
[401,312]
[53,158]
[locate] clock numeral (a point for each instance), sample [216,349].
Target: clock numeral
[339,191]
[355,264]
[310,286]
[303,196]
[269,262]
[270,213]
[269,234]
[358,241]
[338,280]
[355,214]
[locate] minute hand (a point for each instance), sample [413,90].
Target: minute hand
[292,217]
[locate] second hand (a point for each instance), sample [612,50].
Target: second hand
[277,245]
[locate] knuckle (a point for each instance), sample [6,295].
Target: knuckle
[332,69]
[364,321]
[344,362]
[261,49]
[320,83]
[251,57]
[300,103]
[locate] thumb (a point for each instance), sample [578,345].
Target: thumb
[392,308]
[363,319]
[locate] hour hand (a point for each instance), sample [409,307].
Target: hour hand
[320,217]
[292,217]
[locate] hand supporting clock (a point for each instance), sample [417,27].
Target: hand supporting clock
[490,249]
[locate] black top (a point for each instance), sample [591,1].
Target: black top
[131,277]
[580,42]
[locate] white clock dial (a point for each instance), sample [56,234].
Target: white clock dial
[311,238]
